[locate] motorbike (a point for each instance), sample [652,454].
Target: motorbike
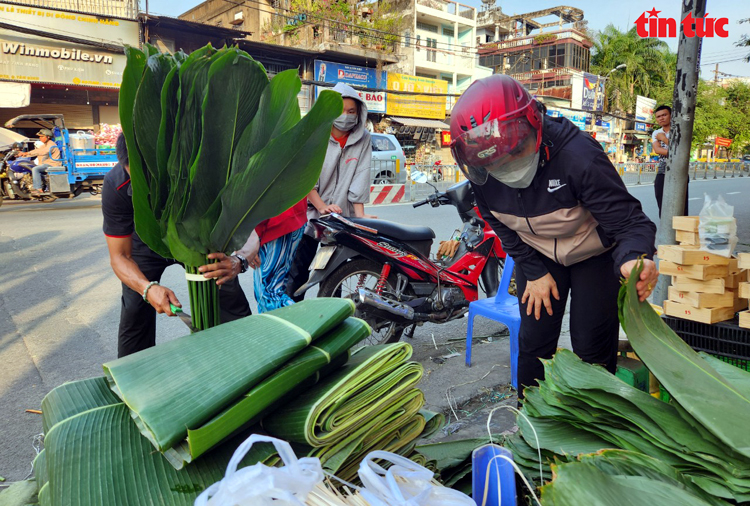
[385,267]
[16,179]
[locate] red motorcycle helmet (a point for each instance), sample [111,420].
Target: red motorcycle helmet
[494,126]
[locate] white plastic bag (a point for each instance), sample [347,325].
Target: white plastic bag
[405,483]
[717,228]
[260,485]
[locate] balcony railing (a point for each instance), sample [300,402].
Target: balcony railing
[526,41]
[109,8]
[450,7]
[310,36]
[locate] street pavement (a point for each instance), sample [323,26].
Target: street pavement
[59,311]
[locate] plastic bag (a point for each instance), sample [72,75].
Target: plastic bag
[717,228]
[260,485]
[405,483]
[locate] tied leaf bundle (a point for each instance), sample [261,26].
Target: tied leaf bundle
[215,148]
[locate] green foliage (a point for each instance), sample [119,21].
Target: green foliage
[723,112]
[744,40]
[544,37]
[648,68]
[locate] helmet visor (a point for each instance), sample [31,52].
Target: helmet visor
[495,147]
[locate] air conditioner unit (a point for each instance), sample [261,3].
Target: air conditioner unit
[239,18]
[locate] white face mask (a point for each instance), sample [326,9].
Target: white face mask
[518,173]
[346,122]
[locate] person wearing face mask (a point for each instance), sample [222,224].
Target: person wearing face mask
[344,183]
[562,213]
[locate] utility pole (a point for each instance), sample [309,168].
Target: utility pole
[681,134]
[716,74]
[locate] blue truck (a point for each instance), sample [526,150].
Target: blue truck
[82,168]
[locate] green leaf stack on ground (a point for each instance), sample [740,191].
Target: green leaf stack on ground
[692,450]
[215,148]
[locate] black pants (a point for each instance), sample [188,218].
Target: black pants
[300,269]
[594,326]
[659,192]
[138,318]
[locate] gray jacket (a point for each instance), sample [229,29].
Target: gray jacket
[345,178]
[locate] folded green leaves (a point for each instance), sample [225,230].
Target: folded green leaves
[211,141]
[183,383]
[707,395]
[338,406]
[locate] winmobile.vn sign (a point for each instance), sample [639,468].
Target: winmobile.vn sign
[654,26]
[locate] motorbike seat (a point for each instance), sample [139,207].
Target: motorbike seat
[398,231]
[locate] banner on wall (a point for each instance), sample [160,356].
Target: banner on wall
[579,119]
[592,98]
[644,111]
[416,106]
[31,58]
[331,72]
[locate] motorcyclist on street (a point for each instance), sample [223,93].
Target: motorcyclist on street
[49,156]
[562,213]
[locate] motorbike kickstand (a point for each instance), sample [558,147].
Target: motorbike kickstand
[409,332]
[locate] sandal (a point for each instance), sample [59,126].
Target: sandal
[36,193]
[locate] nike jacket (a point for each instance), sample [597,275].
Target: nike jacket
[576,207]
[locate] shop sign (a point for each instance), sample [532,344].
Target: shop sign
[644,111]
[30,58]
[593,92]
[445,138]
[353,75]
[416,106]
[579,119]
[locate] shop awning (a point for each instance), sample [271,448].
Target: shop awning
[420,122]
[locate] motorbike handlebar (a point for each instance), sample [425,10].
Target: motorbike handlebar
[417,204]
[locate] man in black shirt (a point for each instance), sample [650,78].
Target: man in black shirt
[140,269]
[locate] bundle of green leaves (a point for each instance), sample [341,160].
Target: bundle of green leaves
[215,148]
[701,436]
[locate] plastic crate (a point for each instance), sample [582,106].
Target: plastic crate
[724,340]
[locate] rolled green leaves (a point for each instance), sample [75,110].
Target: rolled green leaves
[183,383]
[338,406]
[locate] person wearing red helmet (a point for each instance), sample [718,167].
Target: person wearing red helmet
[562,213]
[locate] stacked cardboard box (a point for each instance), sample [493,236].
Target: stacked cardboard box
[705,286]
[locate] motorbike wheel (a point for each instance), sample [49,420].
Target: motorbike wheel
[344,281]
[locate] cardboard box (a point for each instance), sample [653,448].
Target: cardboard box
[702,300]
[686,223]
[745,319]
[693,271]
[743,291]
[703,315]
[744,260]
[687,238]
[685,256]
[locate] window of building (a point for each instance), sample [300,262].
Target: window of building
[449,32]
[426,27]
[431,49]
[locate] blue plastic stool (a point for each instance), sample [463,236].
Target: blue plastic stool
[499,484]
[502,308]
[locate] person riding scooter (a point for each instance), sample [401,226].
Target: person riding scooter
[49,156]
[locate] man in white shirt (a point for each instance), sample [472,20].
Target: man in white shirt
[660,142]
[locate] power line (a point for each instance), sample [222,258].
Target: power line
[723,61]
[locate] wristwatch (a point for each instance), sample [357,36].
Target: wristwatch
[244,265]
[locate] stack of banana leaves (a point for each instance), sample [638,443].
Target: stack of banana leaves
[162,424]
[609,443]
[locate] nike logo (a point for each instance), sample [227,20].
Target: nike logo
[556,188]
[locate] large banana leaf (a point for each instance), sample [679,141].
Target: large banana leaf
[99,457]
[433,423]
[584,483]
[276,177]
[183,383]
[235,85]
[247,410]
[713,400]
[75,397]
[344,402]
[146,226]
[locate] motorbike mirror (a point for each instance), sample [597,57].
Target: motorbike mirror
[418,176]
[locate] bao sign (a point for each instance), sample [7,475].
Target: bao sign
[353,75]
[593,92]
[416,106]
[31,58]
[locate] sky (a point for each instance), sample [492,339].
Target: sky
[600,13]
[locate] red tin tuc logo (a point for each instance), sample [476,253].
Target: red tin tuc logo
[654,26]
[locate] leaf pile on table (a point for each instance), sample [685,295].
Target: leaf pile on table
[162,424]
[215,147]
[610,443]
